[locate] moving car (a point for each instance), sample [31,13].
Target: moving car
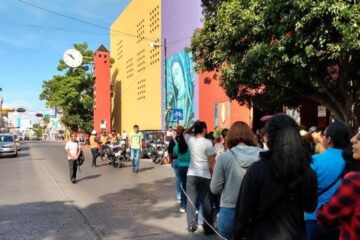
[8,145]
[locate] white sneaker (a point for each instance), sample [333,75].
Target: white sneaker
[182,210]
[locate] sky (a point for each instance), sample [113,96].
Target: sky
[32,41]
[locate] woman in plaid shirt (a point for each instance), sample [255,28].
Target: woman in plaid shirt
[343,209]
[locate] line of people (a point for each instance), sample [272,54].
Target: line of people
[280,189]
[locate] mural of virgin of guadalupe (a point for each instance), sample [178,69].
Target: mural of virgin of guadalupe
[180,85]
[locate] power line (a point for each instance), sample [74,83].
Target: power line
[78,19]
[93,24]
[51,28]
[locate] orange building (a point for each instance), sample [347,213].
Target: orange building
[215,107]
[102,107]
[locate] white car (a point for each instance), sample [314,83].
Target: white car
[8,145]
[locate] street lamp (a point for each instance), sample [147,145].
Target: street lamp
[158,45]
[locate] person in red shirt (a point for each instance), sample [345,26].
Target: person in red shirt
[343,209]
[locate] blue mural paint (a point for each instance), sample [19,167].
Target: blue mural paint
[181,78]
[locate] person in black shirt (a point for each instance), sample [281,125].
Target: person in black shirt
[277,190]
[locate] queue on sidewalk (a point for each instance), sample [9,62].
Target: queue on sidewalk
[284,183]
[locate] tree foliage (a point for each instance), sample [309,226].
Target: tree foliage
[72,92]
[273,53]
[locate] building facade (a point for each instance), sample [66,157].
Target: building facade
[149,79]
[102,104]
[136,73]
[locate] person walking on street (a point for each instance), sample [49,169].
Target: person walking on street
[182,156]
[202,160]
[135,139]
[229,171]
[73,150]
[277,189]
[329,167]
[343,209]
[94,146]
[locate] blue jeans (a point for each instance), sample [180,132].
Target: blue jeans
[177,183]
[181,175]
[135,159]
[198,189]
[226,222]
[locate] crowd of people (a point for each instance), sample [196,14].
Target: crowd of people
[282,183]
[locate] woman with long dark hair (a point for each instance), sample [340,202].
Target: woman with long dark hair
[277,190]
[229,171]
[182,153]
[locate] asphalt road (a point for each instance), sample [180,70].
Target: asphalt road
[38,201]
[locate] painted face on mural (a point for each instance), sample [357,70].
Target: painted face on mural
[178,78]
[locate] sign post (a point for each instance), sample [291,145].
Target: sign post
[178,114]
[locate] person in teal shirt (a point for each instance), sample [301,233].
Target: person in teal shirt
[182,153]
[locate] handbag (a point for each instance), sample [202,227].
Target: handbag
[81,158]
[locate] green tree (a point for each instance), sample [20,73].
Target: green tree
[38,130]
[274,53]
[72,92]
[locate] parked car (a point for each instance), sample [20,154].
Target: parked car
[150,136]
[8,145]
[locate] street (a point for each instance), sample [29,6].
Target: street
[38,201]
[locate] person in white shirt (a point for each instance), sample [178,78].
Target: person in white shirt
[202,161]
[73,149]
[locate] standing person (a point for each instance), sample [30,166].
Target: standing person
[182,155]
[114,137]
[343,209]
[221,147]
[135,139]
[103,141]
[173,159]
[229,171]
[94,146]
[202,160]
[277,189]
[124,136]
[329,167]
[73,150]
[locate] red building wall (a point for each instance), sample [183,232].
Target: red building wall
[209,95]
[102,88]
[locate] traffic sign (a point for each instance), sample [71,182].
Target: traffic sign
[177,115]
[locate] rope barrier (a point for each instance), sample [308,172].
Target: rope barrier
[197,211]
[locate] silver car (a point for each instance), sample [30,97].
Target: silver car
[8,145]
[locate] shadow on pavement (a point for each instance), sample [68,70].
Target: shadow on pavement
[89,177]
[147,211]
[146,169]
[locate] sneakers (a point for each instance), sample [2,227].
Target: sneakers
[182,210]
[192,228]
[73,180]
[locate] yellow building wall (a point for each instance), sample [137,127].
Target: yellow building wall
[136,95]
